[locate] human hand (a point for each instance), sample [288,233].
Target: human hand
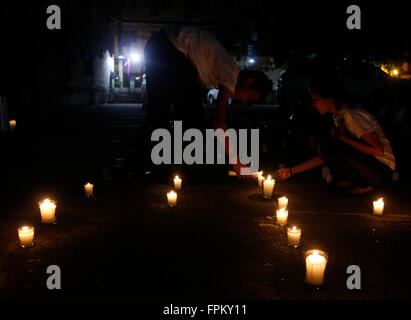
[237,168]
[282,174]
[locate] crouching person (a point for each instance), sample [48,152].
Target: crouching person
[357,150]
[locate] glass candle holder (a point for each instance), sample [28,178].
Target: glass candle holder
[26,236]
[315,264]
[177,183]
[172,199]
[48,211]
[378,207]
[282,217]
[88,190]
[268,188]
[294,236]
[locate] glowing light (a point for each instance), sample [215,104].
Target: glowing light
[135,57]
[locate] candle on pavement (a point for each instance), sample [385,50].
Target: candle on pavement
[172,199]
[282,202]
[177,183]
[282,216]
[88,189]
[268,187]
[294,236]
[378,207]
[48,210]
[315,263]
[26,236]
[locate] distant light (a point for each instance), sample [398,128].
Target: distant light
[395,72]
[135,57]
[251,60]
[121,56]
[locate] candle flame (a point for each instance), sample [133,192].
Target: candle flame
[47,201]
[380,200]
[172,193]
[177,178]
[294,228]
[25,228]
[269,177]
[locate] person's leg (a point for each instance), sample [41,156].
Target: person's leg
[360,169]
[161,74]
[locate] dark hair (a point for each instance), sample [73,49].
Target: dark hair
[328,85]
[261,82]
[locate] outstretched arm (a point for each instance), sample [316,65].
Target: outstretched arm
[220,122]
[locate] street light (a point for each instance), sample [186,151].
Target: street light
[135,57]
[251,60]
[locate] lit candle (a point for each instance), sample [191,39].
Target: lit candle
[268,187]
[378,207]
[260,180]
[26,236]
[47,210]
[232,173]
[315,262]
[282,216]
[325,172]
[172,199]
[257,174]
[177,183]
[294,236]
[282,202]
[12,124]
[88,189]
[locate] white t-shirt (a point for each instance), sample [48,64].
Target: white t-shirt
[214,65]
[359,122]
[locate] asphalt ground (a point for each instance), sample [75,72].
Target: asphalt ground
[220,242]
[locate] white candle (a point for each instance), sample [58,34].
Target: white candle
[88,189]
[12,124]
[378,207]
[48,210]
[282,216]
[325,172]
[268,187]
[177,183]
[26,236]
[315,262]
[257,174]
[294,236]
[260,180]
[172,199]
[282,202]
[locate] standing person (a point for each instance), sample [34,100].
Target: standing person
[358,152]
[178,60]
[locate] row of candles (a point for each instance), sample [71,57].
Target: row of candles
[316,260]
[48,216]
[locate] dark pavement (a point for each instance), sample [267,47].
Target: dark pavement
[220,242]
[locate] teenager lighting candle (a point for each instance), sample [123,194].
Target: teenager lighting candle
[294,236]
[88,189]
[172,199]
[26,236]
[177,183]
[268,187]
[315,263]
[378,207]
[12,125]
[282,216]
[282,202]
[48,210]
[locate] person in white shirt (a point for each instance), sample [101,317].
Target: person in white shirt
[178,60]
[358,151]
